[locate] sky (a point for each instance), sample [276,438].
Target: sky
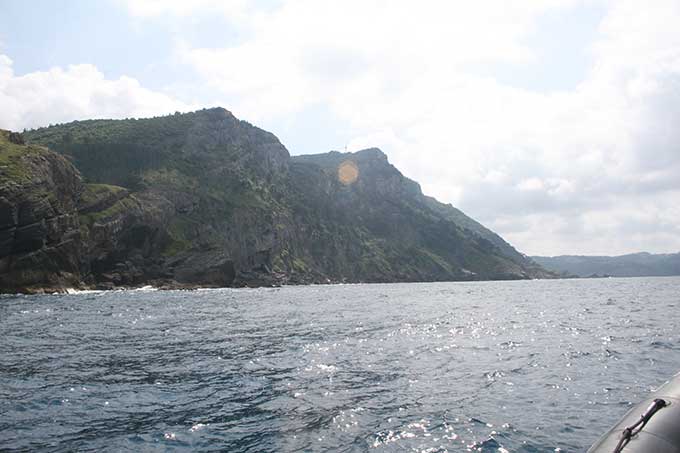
[556,123]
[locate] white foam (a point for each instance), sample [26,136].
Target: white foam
[82,291]
[146,288]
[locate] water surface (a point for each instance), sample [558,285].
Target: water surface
[531,366]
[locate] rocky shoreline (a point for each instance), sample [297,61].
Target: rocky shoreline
[265,281]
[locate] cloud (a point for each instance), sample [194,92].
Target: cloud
[312,51]
[76,92]
[570,166]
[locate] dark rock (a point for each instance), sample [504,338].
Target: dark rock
[105,286]
[16,138]
[29,238]
[6,241]
[8,214]
[210,269]
[34,209]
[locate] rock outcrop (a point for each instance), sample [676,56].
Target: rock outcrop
[205,199]
[40,244]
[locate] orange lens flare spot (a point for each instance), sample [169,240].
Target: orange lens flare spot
[348,172]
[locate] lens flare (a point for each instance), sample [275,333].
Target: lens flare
[348,172]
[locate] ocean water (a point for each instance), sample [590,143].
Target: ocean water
[530,366]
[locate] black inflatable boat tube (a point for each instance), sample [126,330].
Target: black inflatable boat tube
[660,434]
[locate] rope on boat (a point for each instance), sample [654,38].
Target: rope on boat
[635,428]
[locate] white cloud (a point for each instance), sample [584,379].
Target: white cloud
[77,92]
[573,165]
[531,184]
[311,51]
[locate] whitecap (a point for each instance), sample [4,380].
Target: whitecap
[146,288]
[197,427]
[82,291]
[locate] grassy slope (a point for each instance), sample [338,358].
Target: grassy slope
[14,159]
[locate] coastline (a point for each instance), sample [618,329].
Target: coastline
[170,285]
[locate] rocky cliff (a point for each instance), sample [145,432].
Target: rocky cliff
[378,226]
[40,242]
[58,232]
[205,199]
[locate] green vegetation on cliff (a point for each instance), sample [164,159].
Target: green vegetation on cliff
[203,198]
[16,158]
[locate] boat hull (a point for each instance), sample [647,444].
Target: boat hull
[661,434]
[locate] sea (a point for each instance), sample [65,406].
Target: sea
[522,366]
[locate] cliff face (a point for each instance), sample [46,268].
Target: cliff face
[205,199]
[378,226]
[39,235]
[58,232]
